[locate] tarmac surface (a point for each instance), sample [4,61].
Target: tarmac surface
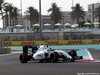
[10,65]
[95,54]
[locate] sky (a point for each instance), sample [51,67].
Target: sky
[46,4]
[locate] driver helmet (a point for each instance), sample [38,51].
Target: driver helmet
[46,45]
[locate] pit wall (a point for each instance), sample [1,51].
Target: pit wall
[52,42]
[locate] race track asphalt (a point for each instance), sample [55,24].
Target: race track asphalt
[10,65]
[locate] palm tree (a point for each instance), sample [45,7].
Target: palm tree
[55,14]
[6,10]
[10,12]
[77,13]
[10,8]
[32,15]
[1,7]
[97,13]
[15,15]
[36,16]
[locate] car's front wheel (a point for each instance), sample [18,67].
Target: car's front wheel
[72,60]
[73,53]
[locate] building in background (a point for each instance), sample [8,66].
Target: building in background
[91,9]
[46,20]
[21,21]
[66,18]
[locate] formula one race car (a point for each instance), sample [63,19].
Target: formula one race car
[46,54]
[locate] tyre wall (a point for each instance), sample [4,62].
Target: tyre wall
[5,50]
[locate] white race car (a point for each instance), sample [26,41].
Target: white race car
[46,54]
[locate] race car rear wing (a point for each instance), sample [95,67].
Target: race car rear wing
[25,49]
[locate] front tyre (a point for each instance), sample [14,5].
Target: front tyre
[72,60]
[73,53]
[23,58]
[54,57]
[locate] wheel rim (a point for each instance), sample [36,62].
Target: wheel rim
[52,57]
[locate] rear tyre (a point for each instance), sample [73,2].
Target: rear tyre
[23,58]
[54,57]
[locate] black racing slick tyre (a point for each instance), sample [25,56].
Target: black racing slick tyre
[73,53]
[23,58]
[72,60]
[54,57]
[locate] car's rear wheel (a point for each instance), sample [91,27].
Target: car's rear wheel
[54,57]
[23,58]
